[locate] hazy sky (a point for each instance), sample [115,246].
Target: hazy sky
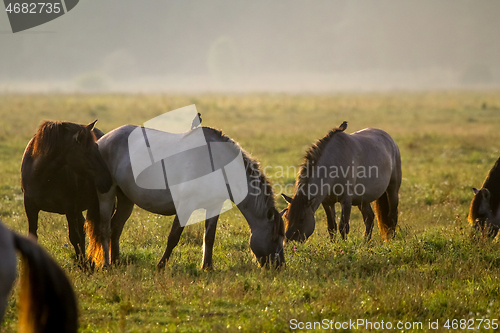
[232,45]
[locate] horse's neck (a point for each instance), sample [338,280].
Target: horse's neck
[492,183]
[251,205]
[319,194]
[320,179]
[45,166]
[245,208]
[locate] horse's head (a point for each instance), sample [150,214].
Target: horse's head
[83,156]
[481,215]
[300,218]
[266,241]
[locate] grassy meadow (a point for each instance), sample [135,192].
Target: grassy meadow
[433,270]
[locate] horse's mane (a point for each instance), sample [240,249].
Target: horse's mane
[312,156]
[474,207]
[254,171]
[492,183]
[48,138]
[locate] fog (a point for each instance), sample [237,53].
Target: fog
[256,46]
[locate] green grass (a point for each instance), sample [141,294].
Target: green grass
[432,270]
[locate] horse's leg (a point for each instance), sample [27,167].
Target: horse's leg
[80,235]
[368,218]
[106,209]
[124,208]
[344,218]
[393,198]
[330,217]
[81,231]
[76,234]
[209,238]
[173,239]
[32,214]
[74,237]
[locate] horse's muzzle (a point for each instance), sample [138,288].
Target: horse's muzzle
[296,237]
[275,260]
[486,227]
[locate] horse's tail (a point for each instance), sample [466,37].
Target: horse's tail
[94,231]
[386,224]
[47,302]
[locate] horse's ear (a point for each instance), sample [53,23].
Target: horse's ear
[286,197]
[476,191]
[278,225]
[90,126]
[486,194]
[270,214]
[79,136]
[283,212]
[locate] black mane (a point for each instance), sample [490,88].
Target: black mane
[253,169]
[50,136]
[492,183]
[312,156]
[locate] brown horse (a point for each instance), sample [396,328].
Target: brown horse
[60,172]
[484,212]
[47,302]
[354,170]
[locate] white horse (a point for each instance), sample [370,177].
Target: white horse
[47,302]
[157,194]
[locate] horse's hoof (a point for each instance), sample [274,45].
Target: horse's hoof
[207,268]
[82,265]
[116,262]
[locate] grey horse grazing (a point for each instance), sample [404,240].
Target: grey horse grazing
[484,212]
[353,170]
[258,207]
[47,302]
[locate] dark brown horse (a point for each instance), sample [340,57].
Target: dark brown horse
[60,171]
[353,170]
[47,302]
[484,213]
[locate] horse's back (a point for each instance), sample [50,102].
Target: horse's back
[377,146]
[371,137]
[372,158]
[128,154]
[114,149]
